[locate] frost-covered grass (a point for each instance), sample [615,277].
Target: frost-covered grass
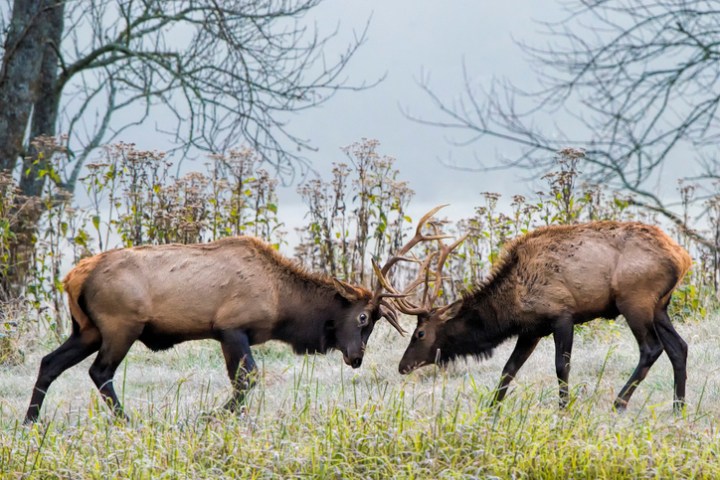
[314,417]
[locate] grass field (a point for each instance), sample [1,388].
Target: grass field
[313,417]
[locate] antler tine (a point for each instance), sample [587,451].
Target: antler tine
[401,300]
[384,283]
[388,312]
[421,278]
[427,216]
[445,251]
[419,237]
[393,260]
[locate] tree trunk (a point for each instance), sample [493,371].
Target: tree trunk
[21,65]
[47,101]
[28,85]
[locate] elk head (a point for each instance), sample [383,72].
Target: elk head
[362,309]
[425,343]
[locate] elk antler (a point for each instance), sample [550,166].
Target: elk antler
[387,310]
[428,298]
[405,306]
[443,254]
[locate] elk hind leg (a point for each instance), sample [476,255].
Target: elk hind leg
[650,350]
[563,336]
[677,351]
[240,365]
[75,349]
[523,349]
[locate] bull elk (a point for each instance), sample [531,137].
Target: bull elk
[239,291]
[550,280]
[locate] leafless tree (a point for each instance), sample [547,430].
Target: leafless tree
[639,81]
[227,72]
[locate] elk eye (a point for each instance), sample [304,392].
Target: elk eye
[420,334]
[363,319]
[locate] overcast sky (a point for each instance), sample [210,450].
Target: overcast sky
[405,39]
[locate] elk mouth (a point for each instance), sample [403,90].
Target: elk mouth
[414,366]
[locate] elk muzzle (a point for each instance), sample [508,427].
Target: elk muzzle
[406,368]
[413,359]
[353,356]
[354,360]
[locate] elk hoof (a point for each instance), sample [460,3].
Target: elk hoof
[620,406]
[679,407]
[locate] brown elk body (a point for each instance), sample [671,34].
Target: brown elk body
[554,278]
[239,291]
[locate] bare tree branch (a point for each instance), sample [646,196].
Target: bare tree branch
[640,81]
[226,72]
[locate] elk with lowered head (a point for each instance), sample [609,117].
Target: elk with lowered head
[239,291]
[550,280]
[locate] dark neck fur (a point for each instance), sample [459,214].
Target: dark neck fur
[481,324]
[307,316]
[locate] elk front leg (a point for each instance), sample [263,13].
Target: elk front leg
[240,365]
[563,336]
[523,349]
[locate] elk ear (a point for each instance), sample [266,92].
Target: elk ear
[449,311]
[346,290]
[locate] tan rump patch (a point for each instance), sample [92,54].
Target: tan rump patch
[73,284]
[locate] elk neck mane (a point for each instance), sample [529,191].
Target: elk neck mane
[499,272]
[481,317]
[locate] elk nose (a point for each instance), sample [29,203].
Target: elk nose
[356,362]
